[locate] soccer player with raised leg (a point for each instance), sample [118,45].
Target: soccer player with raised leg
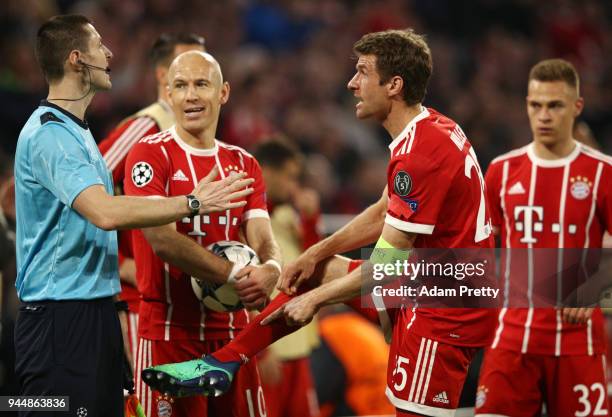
[434,199]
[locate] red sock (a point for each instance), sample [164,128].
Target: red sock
[254,338]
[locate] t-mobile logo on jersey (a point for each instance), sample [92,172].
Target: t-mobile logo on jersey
[199,221]
[533,221]
[530,222]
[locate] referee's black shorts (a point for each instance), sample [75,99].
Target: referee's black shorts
[74,349]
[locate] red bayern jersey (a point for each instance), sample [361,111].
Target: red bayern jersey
[164,165]
[539,204]
[114,149]
[436,190]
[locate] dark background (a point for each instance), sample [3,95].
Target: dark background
[288,63]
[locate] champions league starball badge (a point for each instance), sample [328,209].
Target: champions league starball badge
[142,174]
[402,183]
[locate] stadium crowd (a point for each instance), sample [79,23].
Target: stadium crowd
[287,63]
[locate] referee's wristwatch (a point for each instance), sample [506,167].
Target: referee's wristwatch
[194,204]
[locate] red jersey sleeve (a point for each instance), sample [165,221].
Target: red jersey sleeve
[116,145]
[493,180]
[146,171]
[256,202]
[416,188]
[605,201]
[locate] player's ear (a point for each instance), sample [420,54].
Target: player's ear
[578,106]
[395,86]
[225,92]
[161,75]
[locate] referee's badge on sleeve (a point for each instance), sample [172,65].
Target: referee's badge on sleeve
[142,174]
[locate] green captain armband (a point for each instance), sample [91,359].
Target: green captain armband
[385,253]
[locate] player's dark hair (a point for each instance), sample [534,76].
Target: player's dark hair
[162,51]
[400,53]
[275,153]
[556,70]
[56,38]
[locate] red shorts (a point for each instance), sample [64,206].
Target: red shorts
[515,384]
[424,376]
[245,398]
[293,395]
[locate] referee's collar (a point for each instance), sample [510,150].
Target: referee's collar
[75,119]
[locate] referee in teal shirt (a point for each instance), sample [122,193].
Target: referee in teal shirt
[68,336]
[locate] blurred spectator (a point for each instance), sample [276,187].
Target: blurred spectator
[294,216]
[350,366]
[8,296]
[8,300]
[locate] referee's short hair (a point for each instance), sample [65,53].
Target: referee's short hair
[56,38]
[162,51]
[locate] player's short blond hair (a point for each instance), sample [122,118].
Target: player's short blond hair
[402,53]
[556,70]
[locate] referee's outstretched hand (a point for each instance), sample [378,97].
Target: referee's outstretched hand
[224,194]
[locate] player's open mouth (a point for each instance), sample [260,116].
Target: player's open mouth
[194,111]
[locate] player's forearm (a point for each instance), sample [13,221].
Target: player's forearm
[260,238]
[121,212]
[363,230]
[128,212]
[127,271]
[268,250]
[187,255]
[339,290]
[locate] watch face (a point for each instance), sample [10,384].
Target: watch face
[194,204]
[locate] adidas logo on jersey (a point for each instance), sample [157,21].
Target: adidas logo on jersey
[441,398]
[180,176]
[517,188]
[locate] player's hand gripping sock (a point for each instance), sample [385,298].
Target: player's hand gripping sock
[205,376]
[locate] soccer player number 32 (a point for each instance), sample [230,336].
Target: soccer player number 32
[584,400]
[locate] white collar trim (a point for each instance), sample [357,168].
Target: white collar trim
[553,163]
[422,115]
[190,149]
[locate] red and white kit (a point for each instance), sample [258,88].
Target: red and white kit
[114,148]
[436,189]
[174,326]
[563,203]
